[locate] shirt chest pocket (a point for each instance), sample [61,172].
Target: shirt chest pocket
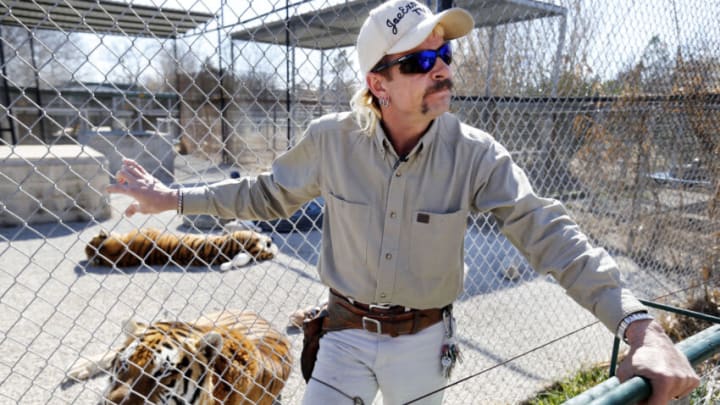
[436,249]
[348,231]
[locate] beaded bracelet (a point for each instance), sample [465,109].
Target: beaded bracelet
[180,202]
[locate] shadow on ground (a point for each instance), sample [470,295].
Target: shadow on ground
[44,231]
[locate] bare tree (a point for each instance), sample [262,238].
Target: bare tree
[341,84]
[132,60]
[172,61]
[656,67]
[48,56]
[517,59]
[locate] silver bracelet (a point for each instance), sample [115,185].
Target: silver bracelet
[635,316]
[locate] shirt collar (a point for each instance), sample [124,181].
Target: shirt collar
[384,145]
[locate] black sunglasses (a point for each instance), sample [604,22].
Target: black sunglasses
[419,62]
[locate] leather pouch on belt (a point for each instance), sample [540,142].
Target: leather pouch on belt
[312,332]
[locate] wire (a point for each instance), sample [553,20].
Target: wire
[527,352]
[503,363]
[356,400]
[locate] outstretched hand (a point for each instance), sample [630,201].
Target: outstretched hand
[653,356]
[150,194]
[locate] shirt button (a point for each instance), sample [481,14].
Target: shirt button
[388,256]
[398,174]
[393,215]
[383,295]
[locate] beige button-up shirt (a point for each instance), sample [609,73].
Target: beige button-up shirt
[393,229]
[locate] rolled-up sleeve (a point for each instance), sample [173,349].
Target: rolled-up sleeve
[294,180]
[546,235]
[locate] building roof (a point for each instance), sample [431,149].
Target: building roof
[100,16]
[490,13]
[337,26]
[332,27]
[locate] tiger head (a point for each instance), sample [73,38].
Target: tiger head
[101,247]
[166,363]
[258,245]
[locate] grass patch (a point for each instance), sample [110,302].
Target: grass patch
[572,386]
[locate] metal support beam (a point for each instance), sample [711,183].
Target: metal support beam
[558,54]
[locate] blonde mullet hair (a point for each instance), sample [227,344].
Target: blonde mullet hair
[367,112]
[367,107]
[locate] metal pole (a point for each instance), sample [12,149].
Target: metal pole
[558,54]
[669,308]
[232,58]
[223,133]
[38,96]
[322,82]
[548,124]
[488,113]
[490,62]
[287,70]
[178,101]
[614,356]
[682,311]
[6,93]
[444,5]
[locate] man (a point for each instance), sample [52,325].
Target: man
[399,177]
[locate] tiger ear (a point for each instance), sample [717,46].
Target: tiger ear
[210,344]
[103,234]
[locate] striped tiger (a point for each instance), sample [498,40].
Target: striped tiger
[230,357]
[154,247]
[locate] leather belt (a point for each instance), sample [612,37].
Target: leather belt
[380,319]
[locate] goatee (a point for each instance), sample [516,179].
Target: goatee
[436,87]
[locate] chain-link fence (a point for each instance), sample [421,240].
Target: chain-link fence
[611,106]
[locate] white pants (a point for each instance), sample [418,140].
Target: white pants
[358,363]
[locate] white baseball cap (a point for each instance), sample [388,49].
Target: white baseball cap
[400,25]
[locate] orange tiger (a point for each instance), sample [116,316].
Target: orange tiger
[231,357]
[153,247]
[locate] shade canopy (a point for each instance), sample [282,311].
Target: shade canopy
[101,17]
[337,26]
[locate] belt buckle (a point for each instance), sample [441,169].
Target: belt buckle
[378,325]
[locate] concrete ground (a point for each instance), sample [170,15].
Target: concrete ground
[55,308]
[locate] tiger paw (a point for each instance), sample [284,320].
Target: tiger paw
[239,260]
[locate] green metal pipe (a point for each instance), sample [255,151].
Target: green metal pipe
[614,356]
[696,348]
[682,311]
[594,392]
[669,308]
